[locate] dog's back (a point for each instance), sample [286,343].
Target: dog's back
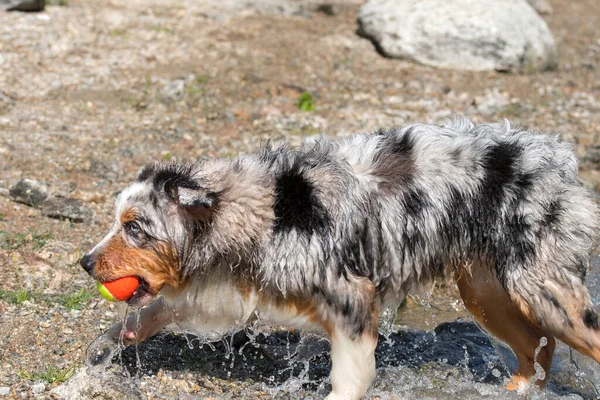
[400,206]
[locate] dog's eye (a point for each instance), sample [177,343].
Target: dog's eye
[132,228]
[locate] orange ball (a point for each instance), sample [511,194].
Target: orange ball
[121,289]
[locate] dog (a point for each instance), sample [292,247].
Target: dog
[323,237]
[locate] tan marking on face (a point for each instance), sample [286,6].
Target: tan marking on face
[128,215]
[158,265]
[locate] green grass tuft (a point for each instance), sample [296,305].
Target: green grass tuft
[15,241]
[73,301]
[77,300]
[15,297]
[50,375]
[305,102]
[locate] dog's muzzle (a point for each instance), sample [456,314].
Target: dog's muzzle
[88,262]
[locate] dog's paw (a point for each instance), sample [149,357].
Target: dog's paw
[519,384]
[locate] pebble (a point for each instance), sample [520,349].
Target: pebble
[38,388]
[4,391]
[173,91]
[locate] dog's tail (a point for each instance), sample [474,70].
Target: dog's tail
[551,292]
[565,310]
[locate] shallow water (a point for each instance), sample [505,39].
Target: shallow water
[430,355]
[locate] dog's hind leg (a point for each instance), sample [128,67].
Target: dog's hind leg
[488,302]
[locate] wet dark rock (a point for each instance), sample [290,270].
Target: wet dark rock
[22,5]
[30,192]
[459,350]
[459,344]
[66,208]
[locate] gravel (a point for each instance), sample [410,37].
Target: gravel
[81,109]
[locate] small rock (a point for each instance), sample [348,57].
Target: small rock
[29,192]
[474,35]
[491,102]
[4,192]
[4,391]
[67,208]
[62,189]
[22,5]
[107,385]
[541,6]
[327,9]
[173,91]
[38,388]
[6,101]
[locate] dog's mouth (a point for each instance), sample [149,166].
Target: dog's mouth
[142,295]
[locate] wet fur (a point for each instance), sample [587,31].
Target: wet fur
[331,232]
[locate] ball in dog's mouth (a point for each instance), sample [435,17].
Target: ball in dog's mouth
[132,289]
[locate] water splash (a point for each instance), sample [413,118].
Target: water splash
[447,361]
[540,374]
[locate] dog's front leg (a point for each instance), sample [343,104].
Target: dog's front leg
[151,319]
[137,329]
[353,364]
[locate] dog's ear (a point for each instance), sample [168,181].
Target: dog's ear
[196,202]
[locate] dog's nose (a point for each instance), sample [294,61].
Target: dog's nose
[87,262]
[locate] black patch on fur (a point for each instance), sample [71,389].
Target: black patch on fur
[590,319]
[554,210]
[356,253]
[297,206]
[404,145]
[394,163]
[167,176]
[498,166]
[523,184]
[415,201]
[474,224]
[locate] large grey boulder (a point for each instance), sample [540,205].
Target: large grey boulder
[477,35]
[541,6]
[22,5]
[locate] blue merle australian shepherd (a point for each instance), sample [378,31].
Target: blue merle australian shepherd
[324,236]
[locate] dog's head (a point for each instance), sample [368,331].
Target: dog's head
[156,219]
